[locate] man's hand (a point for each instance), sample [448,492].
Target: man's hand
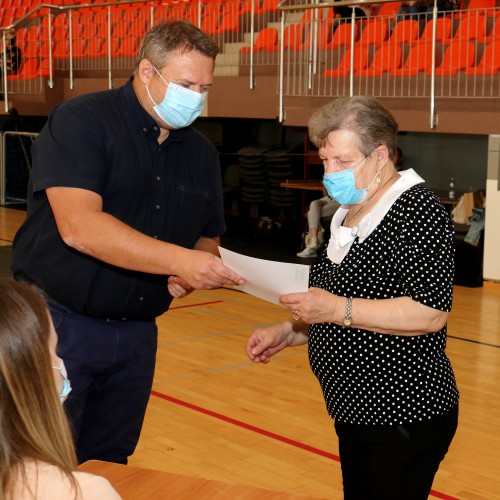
[205,271]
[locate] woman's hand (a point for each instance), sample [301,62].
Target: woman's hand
[314,306]
[178,288]
[265,342]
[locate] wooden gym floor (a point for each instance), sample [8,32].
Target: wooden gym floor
[214,414]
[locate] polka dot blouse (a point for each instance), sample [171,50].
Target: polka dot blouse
[377,379]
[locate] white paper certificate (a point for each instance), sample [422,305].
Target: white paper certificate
[266,279]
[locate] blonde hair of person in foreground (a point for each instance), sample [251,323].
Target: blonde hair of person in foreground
[37,458]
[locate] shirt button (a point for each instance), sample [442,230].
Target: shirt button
[144,129]
[157,207]
[158,178]
[141,298]
[155,236]
[155,128]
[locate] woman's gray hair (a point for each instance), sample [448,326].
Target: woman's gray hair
[164,39]
[365,116]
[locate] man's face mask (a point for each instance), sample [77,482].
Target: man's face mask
[180,106]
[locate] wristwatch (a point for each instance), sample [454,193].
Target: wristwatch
[348,311]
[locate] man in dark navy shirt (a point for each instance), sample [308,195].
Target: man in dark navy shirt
[125,212]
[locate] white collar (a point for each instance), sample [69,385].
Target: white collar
[342,237]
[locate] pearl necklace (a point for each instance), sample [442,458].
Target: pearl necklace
[349,218]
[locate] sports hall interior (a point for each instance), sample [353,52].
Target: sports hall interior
[213,414]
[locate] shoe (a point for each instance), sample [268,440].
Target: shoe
[308,252]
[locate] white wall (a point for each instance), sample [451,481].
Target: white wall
[491,264]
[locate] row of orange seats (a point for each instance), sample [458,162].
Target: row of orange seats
[388,59]
[376,31]
[457,57]
[127,46]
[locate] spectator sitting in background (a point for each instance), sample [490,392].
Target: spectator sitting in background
[420,7]
[323,208]
[38,458]
[345,12]
[12,53]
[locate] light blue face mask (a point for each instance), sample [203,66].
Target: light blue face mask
[341,186]
[66,387]
[180,106]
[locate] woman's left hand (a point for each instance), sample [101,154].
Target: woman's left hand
[178,288]
[314,306]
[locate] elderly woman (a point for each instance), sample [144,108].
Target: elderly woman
[375,315]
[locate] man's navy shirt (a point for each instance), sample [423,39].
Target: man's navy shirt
[107,143]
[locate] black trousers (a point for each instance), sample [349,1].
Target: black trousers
[110,366]
[393,462]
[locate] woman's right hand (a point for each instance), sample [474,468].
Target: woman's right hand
[265,342]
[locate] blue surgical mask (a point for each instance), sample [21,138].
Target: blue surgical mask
[66,387]
[341,186]
[180,106]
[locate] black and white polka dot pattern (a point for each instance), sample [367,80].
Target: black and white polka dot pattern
[375,379]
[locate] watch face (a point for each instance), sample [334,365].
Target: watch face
[347,321]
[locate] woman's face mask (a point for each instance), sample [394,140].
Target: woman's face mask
[341,186]
[180,106]
[66,386]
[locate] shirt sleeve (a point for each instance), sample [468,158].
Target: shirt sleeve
[69,152]
[426,253]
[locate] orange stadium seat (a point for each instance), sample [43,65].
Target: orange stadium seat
[418,60]
[471,27]
[95,48]
[61,49]
[458,56]
[493,35]
[342,35]
[292,36]
[323,36]
[230,22]
[344,67]
[443,30]
[375,32]
[44,67]
[79,48]
[246,7]
[210,23]
[268,6]
[387,57]
[28,70]
[486,7]
[311,15]
[212,9]
[129,46]
[405,31]
[266,40]
[389,9]
[489,64]
[233,8]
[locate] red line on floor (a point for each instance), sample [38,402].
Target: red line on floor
[196,305]
[246,426]
[263,432]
